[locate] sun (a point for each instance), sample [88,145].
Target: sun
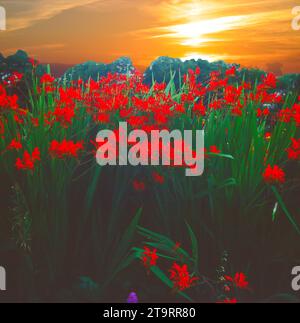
[201,31]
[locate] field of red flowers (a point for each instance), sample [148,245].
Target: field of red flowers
[83,232]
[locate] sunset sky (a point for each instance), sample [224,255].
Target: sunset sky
[253,33]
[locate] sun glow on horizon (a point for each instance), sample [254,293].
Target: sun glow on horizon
[193,33]
[206,57]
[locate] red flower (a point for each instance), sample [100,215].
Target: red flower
[199,109]
[160,118]
[102,117]
[268,135]
[65,149]
[237,111]
[18,119]
[285,115]
[181,278]
[14,145]
[137,121]
[32,61]
[149,257]
[270,80]
[158,178]
[47,78]
[158,87]
[239,280]
[28,161]
[231,71]
[93,86]
[263,113]
[215,150]
[139,186]
[124,113]
[35,122]
[216,105]
[294,150]
[36,155]
[15,77]
[64,116]
[274,175]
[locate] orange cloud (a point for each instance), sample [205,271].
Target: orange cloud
[23,14]
[250,32]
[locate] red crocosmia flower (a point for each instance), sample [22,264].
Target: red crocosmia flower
[35,122]
[197,70]
[15,145]
[179,108]
[124,113]
[158,178]
[18,119]
[102,117]
[285,115]
[49,89]
[64,116]
[237,111]
[270,80]
[65,149]
[181,278]
[160,118]
[36,154]
[149,257]
[239,280]
[47,78]
[28,161]
[15,77]
[189,98]
[274,175]
[137,121]
[294,150]
[32,61]
[139,186]
[214,150]
[158,87]
[93,86]
[268,135]
[263,113]
[266,112]
[199,109]
[231,71]
[18,76]
[216,105]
